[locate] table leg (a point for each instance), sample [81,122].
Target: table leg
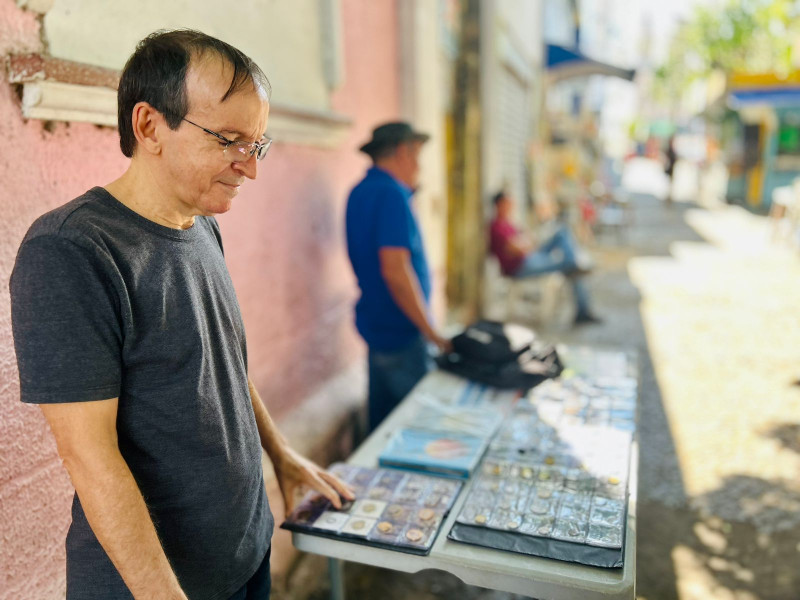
[336,575]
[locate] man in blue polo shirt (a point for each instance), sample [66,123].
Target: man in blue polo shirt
[388,257]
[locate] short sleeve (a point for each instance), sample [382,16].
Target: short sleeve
[392,228]
[214,224]
[66,325]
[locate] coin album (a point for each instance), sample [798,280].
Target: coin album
[554,480]
[393,509]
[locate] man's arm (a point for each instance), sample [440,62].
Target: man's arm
[291,469]
[86,437]
[404,287]
[520,244]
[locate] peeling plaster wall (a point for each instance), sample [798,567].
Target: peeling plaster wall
[284,246]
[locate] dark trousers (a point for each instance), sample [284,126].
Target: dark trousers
[259,585]
[391,377]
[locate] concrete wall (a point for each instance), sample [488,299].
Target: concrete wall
[284,246]
[511,84]
[284,38]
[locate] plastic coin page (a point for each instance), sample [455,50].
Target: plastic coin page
[558,466]
[393,509]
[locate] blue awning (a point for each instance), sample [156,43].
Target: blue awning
[565,63]
[775,97]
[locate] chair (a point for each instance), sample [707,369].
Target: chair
[545,300]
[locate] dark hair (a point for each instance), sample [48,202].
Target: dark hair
[499,197]
[156,73]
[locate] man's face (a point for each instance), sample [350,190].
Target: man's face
[504,207]
[408,161]
[200,174]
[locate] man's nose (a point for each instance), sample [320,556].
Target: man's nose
[248,168]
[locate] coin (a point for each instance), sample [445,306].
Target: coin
[385,527]
[426,514]
[512,525]
[526,473]
[357,525]
[613,480]
[378,492]
[414,535]
[549,460]
[395,510]
[480,519]
[368,507]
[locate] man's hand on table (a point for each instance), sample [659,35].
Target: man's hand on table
[444,345]
[294,471]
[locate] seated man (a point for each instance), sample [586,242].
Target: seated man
[519,258]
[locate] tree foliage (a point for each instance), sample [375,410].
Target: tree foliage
[758,36]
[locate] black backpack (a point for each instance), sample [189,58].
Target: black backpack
[502,355]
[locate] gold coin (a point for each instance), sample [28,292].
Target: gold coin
[526,472]
[385,527]
[497,470]
[395,510]
[414,535]
[544,475]
[613,480]
[426,514]
[512,525]
[356,525]
[549,460]
[369,507]
[480,519]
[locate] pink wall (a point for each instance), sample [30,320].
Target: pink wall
[284,245]
[288,256]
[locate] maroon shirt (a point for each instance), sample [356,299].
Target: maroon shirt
[501,232]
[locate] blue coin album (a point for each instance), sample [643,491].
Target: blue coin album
[433,451]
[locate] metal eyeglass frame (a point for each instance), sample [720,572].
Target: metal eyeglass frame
[244,150]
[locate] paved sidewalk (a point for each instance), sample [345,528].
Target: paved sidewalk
[713,309]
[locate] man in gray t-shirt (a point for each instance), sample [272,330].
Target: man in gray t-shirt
[129,336]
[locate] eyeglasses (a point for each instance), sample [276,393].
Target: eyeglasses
[238,151]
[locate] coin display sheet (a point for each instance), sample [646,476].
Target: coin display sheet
[558,466]
[393,509]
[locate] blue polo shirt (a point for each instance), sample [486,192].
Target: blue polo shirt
[379,216]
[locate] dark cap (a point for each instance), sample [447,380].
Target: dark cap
[390,135]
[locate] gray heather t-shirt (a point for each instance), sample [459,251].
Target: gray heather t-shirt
[105,304]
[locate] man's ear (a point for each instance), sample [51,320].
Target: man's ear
[147,124]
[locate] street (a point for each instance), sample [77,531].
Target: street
[710,305]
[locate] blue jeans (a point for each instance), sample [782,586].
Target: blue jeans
[259,585]
[558,254]
[391,377]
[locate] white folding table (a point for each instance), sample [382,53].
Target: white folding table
[540,578]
